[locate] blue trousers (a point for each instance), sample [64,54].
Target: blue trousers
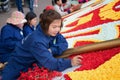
[19,5]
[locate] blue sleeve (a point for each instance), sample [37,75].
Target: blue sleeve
[9,38]
[46,59]
[26,30]
[58,45]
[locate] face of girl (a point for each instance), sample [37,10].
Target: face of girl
[59,2]
[54,27]
[33,22]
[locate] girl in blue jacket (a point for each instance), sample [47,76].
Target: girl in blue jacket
[30,25]
[40,48]
[11,34]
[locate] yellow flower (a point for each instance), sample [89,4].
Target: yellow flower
[110,70]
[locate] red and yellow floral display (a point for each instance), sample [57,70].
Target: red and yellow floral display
[95,24]
[92,24]
[110,70]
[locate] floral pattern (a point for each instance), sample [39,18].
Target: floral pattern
[92,24]
[95,24]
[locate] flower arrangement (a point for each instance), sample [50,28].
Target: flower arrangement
[38,74]
[110,70]
[100,23]
[96,24]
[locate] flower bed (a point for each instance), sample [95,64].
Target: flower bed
[97,25]
[38,74]
[91,25]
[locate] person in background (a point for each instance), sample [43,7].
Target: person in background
[20,7]
[40,48]
[35,3]
[11,35]
[66,5]
[59,7]
[30,25]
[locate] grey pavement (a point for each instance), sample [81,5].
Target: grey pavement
[41,5]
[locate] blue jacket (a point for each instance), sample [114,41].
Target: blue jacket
[34,49]
[10,36]
[56,43]
[28,30]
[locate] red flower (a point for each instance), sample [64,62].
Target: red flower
[39,74]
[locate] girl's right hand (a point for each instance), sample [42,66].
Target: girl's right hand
[76,60]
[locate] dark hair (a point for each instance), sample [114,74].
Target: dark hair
[41,15]
[64,1]
[47,18]
[29,16]
[55,1]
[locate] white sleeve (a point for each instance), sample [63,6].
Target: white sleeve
[57,8]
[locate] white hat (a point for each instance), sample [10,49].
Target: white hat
[16,18]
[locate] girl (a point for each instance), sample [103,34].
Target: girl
[58,6]
[30,26]
[64,7]
[40,48]
[11,35]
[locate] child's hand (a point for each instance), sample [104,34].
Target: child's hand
[75,7]
[76,60]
